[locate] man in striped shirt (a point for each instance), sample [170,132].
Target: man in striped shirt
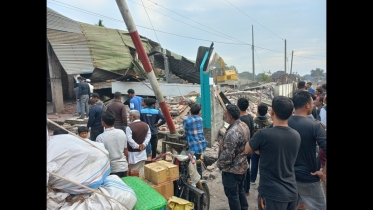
[194,133]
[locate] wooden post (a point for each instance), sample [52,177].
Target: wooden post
[56,83]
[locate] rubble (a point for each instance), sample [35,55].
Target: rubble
[179,109]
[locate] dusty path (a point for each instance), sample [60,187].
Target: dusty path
[218,200]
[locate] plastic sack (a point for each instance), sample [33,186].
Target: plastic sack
[176,203]
[78,161]
[114,187]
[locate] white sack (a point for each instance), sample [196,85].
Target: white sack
[115,188]
[78,161]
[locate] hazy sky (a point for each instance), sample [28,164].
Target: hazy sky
[182,26]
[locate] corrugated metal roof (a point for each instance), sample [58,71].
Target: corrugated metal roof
[59,22]
[100,75]
[182,67]
[128,41]
[82,47]
[69,43]
[107,48]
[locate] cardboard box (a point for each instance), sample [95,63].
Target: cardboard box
[161,172]
[165,189]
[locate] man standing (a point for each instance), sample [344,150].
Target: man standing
[321,113]
[76,92]
[260,122]
[243,104]
[119,110]
[323,86]
[232,160]
[83,97]
[319,92]
[138,137]
[307,172]
[278,147]
[90,86]
[301,85]
[115,142]
[135,101]
[94,120]
[310,89]
[193,126]
[96,98]
[151,116]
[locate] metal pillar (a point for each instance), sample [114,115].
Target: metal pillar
[205,93]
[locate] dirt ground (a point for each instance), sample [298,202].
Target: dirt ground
[218,200]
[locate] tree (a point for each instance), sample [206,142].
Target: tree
[317,73]
[100,23]
[266,77]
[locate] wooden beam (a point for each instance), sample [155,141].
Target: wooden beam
[56,82]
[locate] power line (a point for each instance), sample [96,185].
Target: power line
[150,21]
[259,59]
[113,19]
[253,19]
[195,21]
[190,24]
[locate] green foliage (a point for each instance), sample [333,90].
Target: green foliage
[245,75]
[266,77]
[100,23]
[317,73]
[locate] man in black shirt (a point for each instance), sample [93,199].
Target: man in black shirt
[307,172]
[278,147]
[243,104]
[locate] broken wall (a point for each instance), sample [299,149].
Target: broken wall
[217,121]
[284,90]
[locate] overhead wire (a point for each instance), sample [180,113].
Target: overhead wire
[253,19]
[259,59]
[150,22]
[232,38]
[156,35]
[113,19]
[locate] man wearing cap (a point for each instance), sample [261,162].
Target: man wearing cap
[83,97]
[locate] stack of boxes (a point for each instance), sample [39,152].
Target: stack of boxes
[160,176]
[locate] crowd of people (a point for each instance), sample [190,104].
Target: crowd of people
[291,144]
[286,143]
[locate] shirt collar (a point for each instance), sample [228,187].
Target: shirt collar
[109,129]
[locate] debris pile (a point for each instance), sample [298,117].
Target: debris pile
[82,180]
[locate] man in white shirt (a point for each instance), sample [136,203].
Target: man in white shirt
[138,137]
[115,142]
[90,86]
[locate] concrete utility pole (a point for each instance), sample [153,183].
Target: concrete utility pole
[252,47]
[291,64]
[285,56]
[166,67]
[56,83]
[131,27]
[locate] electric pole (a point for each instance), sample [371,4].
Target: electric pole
[285,56]
[252,47]
[291,64]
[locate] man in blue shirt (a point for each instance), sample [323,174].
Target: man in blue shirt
[193,127]
[135,101]
[310,89]
[151,116]
[94,120]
